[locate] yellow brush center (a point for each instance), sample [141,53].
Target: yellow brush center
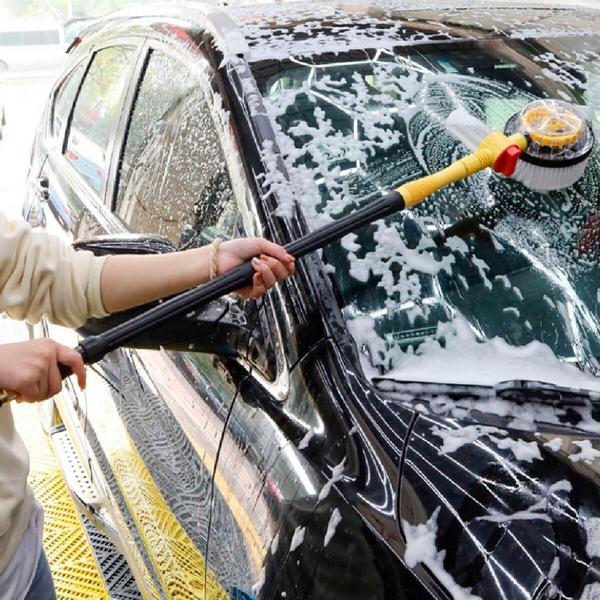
[552,126]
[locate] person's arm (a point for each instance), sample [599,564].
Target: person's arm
[40,275]
[131,280]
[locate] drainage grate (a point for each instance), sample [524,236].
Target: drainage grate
[117,575]
[118,578]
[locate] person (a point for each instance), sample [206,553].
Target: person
[41,276]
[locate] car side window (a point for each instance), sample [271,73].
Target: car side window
[173,179]
[64,98]
[96,113]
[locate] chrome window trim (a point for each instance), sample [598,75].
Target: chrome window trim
[58,139]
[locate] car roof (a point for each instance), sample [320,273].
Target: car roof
[276,31]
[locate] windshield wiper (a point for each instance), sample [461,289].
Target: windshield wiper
[463,228]
[520,391]
[524,391]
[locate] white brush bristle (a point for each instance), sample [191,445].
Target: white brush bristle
[467,128]
[546,179]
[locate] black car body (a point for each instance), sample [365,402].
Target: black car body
[263,451]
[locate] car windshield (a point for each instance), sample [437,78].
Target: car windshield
[513,290]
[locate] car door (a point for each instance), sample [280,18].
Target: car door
[172,180]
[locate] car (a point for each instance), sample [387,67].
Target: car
[31,46]
[415,413]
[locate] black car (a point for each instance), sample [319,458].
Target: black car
[413,414]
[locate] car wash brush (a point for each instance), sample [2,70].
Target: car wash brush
[558,143]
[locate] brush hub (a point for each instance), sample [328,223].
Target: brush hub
[558,134]
[551,125]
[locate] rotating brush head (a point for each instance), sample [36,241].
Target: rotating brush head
[559,144]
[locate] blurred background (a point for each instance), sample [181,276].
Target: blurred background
[34,35]
[60,9]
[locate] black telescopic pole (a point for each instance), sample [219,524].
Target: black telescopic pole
[95,347]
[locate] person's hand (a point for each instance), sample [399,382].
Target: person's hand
[30,369]
[271,263]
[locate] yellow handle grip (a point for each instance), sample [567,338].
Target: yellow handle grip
[416,191]
[485,156]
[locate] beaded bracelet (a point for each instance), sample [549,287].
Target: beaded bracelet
[214,256]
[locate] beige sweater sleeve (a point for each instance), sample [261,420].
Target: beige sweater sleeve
[42,276]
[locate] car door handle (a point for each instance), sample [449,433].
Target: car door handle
[43,185]
[38,194]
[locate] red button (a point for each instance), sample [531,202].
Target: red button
[506,163]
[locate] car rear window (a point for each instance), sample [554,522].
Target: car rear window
[520,285]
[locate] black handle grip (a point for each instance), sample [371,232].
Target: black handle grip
[95,347]
[64,370]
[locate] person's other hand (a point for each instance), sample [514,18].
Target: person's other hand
[30,369]
[270,261]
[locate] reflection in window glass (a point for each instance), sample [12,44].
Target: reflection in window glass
[163,87]
[64,98]
[97,113]
[173,179]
